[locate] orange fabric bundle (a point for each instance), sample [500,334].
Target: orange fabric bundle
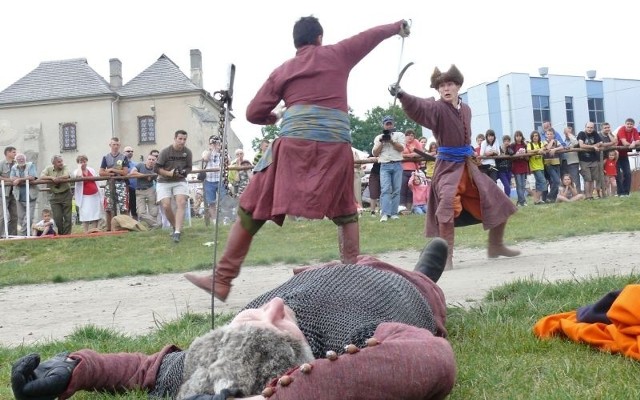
[621,336]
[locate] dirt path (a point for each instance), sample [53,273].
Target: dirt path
[136,305]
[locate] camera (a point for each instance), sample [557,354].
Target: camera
[180,172]
[214,139]
[386,136]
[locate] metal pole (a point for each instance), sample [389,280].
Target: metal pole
[226,98]
[4,210]
[28,211]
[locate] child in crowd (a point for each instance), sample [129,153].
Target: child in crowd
[479,140]
[536,166]
[243,177]
[520,167]
[431,165]
[568,191]
[420,188]
[610,173]
[504,164]
[46,226]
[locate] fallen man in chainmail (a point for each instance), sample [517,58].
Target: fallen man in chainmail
[363,331]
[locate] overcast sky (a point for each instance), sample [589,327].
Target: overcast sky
[485,39]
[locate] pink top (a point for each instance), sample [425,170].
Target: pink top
[420,193]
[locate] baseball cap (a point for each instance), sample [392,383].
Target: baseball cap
[387,118]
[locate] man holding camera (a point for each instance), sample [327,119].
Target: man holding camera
[174,164]
[388,147]
[211,158]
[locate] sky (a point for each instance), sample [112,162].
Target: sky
[485,39]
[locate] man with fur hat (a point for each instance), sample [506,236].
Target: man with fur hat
[334,331]
[308,170]
[460,193]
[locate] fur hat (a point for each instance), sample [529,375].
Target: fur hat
[452,75]
[241,357]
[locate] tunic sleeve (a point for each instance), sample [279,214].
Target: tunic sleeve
[114,372]
[408,363]
[422,111]
[259,110]
[355,48]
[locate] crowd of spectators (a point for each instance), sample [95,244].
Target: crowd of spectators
[78,194]
[547,166]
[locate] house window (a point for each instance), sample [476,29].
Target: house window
[541,111]
[596,111]
[568,106]
[146,129]
[68,138]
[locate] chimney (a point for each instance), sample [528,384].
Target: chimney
[115,73]
[196,67]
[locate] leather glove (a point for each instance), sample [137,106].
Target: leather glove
[405,29]
[395,90]
[223,395]
[31,380]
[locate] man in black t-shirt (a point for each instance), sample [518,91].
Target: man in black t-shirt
[174,164]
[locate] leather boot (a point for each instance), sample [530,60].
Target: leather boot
[349,242]
[496,246]
[433,259]
[228,267]
[447,233]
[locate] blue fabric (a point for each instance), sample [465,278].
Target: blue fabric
[421,209]
[521,184]
[624,176]
[541,181]
[390,181]
[210,192]
[554,180]
[455,154]
[311,122]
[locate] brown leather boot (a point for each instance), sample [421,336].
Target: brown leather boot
[349,242]
[446,232]
[496,246]
[228,267]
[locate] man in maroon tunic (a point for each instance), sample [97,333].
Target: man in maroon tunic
[460,193]
[308,170]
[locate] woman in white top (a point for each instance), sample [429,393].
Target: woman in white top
[489,147]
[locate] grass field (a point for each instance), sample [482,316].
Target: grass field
[497,355]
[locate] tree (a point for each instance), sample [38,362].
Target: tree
[268,132]
[363,132]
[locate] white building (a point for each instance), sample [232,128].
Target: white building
[518,101]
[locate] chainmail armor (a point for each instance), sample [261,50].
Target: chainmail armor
[169,376]
[344,304]
[334,306]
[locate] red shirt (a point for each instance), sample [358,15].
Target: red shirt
[89,187]
[610,167]
[629,136]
